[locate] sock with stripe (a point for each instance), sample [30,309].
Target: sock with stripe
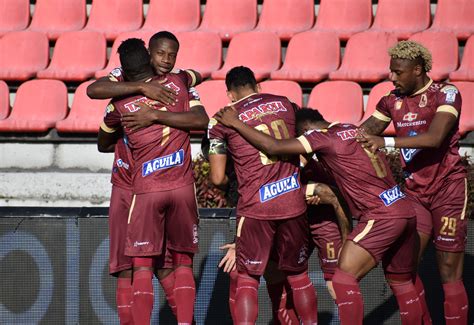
[348,298]
[304,298]
[124,300]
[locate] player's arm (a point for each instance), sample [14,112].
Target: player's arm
[217,161]
[196,77]
[106,141]
[374,125]
[104,88]
[229,117]
[110,130]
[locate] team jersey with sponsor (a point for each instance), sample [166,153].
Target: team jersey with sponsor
[426,169]
[269,187]
[363,178]
[161,154]
[122,167]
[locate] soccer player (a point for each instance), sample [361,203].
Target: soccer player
[120,265]
[164,210]
[271,208]
[426,119]
[387,228]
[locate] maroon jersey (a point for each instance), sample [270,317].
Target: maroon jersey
[269,187]
[363,178]
[122,167]
[161,154]
[426,169]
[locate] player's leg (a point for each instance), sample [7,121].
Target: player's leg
[253,246]
[182,235]
[120,265]
[144,242]
[424,226]
[233,275]
[164,274]
[450,234]
[291,246]
[279,290]
[400,266]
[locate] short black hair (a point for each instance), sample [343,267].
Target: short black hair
[163,34]
[134,57]
[305,115]
[240,77]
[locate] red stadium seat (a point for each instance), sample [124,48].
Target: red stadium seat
[200,51]
[54,17]
[402,17]
[310,57]
[466,122]
[466,70]
[366,58]
[260,51]
[344,17]
[22,54]
[77,56]
[112,17]
[444,50]
[86,114]
[4,100]
[286,17]
[176,16]
[376,93]
[229,17]
[338,101]
[114,61]
[14,15]
[455,16]
[39,104]
[289,89]
[213,95]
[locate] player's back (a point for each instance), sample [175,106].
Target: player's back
[364,179]
[269,187]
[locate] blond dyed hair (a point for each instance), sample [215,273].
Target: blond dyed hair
[411,50]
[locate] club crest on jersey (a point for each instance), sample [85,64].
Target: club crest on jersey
[391,196]
[171,160]
[450,92]
[347,134]
[285,185]
[398,104]
[258,112]
[423,101]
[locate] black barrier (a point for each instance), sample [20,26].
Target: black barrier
[54,270]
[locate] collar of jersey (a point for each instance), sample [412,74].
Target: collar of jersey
[333,124]
[422,90]
[243,98]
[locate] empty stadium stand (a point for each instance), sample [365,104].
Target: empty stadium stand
[365,58]
[466,120]
[201,51]
[444,50]
[286,17]
[4,100]
[14,15]
[455,16]
[176,16]
[77,56]
[310,57]
[376,93]
[466,69]
[326,98]
[39,104]
[402,17]
[213,95]
[260,51]
[344,17]
[55,17]
[229,17]
[22,54]
[287,88]
[85,115]
[112,17]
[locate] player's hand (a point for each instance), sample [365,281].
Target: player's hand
[227,116]
[368,141]
[313,200]
[228,261]
[157,91]
[142,118]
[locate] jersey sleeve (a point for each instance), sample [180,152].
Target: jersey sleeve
[112,119]
[191,78]
[449,100]
[116,75]
[193,97]
[217,138]
[382,111]
[315,140]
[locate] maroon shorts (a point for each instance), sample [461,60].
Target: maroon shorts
[392,241]
[120,201]
[286,239]
[159,216]
[443,215]
[326,237]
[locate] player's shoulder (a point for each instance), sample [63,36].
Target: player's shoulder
[442,87]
